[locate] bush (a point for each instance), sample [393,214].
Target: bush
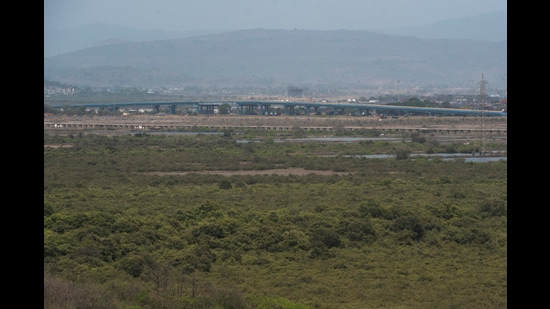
[225,185]
[493,208]
[417,138]
[402,154]
[326,237]
[411,224]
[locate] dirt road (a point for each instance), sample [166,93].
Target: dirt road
[288,121]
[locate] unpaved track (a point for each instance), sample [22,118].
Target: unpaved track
[280,171]
[83,124]
[287,121]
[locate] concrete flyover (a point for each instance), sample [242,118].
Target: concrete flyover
[252,107]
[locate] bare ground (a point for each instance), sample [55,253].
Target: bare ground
[281,171]
[294,122]
[369,122]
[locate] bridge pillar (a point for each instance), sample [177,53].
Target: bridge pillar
[289,110]
[245,109]
[316,110]
[338,111]
[264,109]
[206,109]
[156,108]
[250,110]
[172,109]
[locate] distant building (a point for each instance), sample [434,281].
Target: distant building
[295,92]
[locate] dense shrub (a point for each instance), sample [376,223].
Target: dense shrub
[114,227]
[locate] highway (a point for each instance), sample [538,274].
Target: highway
[253,107]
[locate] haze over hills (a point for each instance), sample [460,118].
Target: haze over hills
[486,27]
[491,27]
[279,58]
[94,34]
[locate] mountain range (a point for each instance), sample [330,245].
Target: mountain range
[491,27]
[279,58]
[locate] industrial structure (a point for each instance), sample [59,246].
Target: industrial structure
[482,91]
[482,97]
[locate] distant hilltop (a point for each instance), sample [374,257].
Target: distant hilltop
[278,58]
[490,27]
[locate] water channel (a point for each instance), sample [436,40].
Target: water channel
[467,157]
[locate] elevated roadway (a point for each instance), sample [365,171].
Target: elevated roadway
[252,107]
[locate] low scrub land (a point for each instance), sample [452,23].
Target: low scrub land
[207,221]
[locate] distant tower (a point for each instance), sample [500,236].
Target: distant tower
[295,92]
[398,91]
[482,96]
[482,90]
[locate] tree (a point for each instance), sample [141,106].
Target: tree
[418,138]
[402,154]
[326,236]
[412,224]
[158,274]
[225,184]
[224,109]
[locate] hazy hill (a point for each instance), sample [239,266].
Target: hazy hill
[278,58]
[486,27]
[491,27]
[90,35]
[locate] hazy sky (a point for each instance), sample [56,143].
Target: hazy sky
[186,15]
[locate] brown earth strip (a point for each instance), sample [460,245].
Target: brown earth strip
[282,172]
